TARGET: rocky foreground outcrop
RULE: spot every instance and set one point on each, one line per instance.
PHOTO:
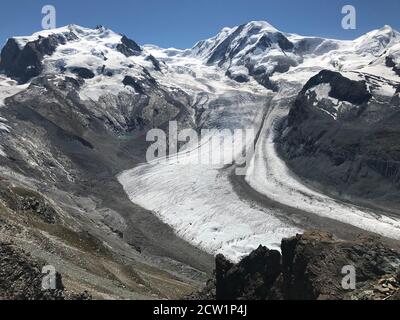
(312, 266)
(21, 278)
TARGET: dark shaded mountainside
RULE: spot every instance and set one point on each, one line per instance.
(310, 267)
(352, 150)
(59, 198)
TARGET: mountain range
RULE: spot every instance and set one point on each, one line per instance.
(76, 190)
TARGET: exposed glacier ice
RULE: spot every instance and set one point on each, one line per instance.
(269, 175)
(199, 202)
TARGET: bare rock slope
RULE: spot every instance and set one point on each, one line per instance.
(309, 268)
(21, 278)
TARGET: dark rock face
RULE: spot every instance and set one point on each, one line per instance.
(42, 209)
(25, 63)
(342, 88)
(251, 278)
(310, 268)
(237, 78)
(305, 46)
(284, 42)
(21, 278)
(130, 44)
(83, 73)
(128, 47)
(130, 81)
(261, 76)
(391, 64)
(265, 81)
(263, 44)
(354, 153)
(155, 62)
(221, 51)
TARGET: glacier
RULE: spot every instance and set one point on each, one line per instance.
(199, 202)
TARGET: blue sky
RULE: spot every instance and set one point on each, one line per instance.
(181, 23)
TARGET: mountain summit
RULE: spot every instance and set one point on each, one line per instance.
(260, 51)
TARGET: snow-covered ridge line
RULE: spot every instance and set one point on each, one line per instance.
(253, 50)
(100, 56)
(76, 29)
(258, 50)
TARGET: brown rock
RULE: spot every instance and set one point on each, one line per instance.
(310, 268)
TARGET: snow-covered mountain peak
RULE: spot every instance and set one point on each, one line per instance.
(255, 50)
(377, 41)
(62, 31)
(264, 26)
(74, 32)
(237, 37)
(260, 51)
(386, 31)
(98, 55)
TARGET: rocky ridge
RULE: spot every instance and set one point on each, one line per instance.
(309, 268)
(343, 125)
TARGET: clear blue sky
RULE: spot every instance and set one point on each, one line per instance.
(180, 23)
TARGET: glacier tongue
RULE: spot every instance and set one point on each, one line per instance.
(198, 200)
